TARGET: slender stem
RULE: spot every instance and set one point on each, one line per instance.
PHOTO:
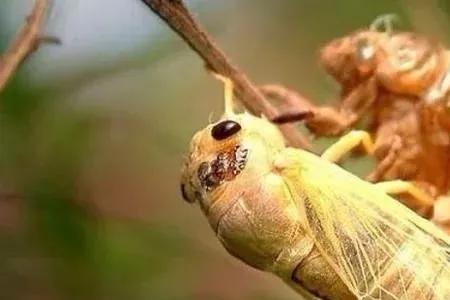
(177, 16)
(24, 43)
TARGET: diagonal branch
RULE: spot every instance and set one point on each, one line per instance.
(24, 43)
(177, 16)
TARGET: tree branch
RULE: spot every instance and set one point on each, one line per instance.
(24, 43)
(177, 16)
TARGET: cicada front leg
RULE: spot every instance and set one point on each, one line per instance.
(347, 143)
(330, 121)
(321, 121)
(355, 138)
(418, 198)
(324, 120)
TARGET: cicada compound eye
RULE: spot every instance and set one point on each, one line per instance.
(225, 129)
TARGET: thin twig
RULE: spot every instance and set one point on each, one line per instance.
(177, 16)
(24, 43)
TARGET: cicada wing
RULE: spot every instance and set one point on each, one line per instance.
(377, 246)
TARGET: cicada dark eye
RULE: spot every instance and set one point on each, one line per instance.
(225, 129)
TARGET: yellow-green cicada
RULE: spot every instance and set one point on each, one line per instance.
(324, 231)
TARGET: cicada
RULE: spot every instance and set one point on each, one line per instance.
(322, 230)
(396, 82)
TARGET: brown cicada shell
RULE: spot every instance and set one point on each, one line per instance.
(398, 82)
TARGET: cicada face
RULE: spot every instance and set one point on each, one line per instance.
(231, 152)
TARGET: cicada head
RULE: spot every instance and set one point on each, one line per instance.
(231, 171)
(227, 155)
(351, 58)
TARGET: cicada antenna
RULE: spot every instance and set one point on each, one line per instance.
(228, 93)
(386, 21)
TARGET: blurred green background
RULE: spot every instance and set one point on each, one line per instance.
(93, 133)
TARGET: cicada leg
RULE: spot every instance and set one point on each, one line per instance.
(323, 120)
(386, 20)
(326, 121)
(387, 160)
(347, 143)
(419, 198)
(228, 92)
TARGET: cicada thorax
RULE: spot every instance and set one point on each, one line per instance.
(395, 116)
(411, 143)
(409, 64)
(435, 162)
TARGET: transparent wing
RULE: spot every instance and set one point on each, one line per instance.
(378, 247)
